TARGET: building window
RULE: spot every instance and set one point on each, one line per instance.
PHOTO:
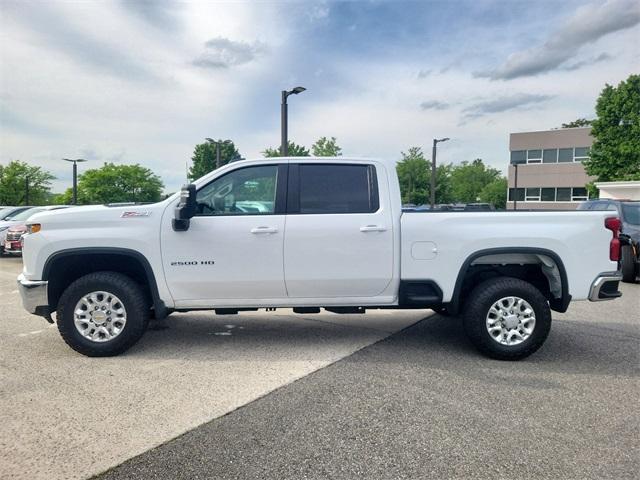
(519, 156)
(565, 155)
(532, 195)
(579, 194)
(580, 154)
(550, 156)
(534, 156)
(563, 194)
(520, 195)
(548, 195)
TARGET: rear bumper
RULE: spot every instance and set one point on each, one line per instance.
(34, 295)
(605, 287)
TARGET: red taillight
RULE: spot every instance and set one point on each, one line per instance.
(613, 224)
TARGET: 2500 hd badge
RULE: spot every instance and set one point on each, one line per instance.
(192, 263)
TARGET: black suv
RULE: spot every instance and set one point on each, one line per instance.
(629, 213)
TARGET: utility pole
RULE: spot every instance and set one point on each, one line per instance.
(26, 191)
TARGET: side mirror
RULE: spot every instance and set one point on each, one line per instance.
(186, 209)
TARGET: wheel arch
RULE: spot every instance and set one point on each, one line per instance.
(559, 302)
(65, 266)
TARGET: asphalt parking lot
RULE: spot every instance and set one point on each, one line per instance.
(321, 396)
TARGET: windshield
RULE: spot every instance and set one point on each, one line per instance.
(631, 213)
(27, 213)
(9, 213)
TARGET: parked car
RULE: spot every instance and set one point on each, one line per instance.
(478, 207)
(18, 220)
(13, 239)
(336, 238)
(7, 212)
(629, 213)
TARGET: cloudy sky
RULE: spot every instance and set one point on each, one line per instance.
(144, 81)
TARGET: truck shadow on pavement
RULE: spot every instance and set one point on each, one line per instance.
(572, 347)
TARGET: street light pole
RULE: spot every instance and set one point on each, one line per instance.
(515, 188)
(75, 177)
(433, 170)
(217, 144)
(284, 119)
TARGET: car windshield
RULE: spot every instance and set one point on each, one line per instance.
(27, 213)
(631, 213)
(9, 213)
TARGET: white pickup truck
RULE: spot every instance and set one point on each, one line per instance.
(311, 233)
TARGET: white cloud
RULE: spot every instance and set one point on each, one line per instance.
(585, 27)
(503, 104)
(222, 52)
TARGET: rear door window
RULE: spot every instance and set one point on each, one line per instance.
(335, 188)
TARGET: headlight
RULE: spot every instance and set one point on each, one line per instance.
(34, 228)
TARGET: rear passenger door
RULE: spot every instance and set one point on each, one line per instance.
(338, 235)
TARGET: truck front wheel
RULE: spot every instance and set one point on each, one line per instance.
(507, 318)
(102, 314)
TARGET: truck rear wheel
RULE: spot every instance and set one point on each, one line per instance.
(102, 314)
(628, 264)
(507, 318)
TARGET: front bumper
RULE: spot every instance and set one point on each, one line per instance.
(34, 295)
(605, 287)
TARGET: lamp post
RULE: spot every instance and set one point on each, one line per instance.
(284, 145)
(75, 177)
(515, 188)
(218, 151)
(217, 144)
(433, 170)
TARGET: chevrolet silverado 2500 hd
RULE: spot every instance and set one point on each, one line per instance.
(308, 234)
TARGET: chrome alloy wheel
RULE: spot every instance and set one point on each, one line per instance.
(511, 320)
(100, 316)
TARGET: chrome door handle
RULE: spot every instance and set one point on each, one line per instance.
(264, 230)
(373, 228)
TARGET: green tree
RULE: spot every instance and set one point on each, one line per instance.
(495, 193)
(414, 175)
(13, 183)
(295, 150)
(326, 147)
(469, 178)
(116, 183)
(203, 160)
(580, 122)
(615, 153)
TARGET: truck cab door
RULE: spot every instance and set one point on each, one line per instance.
(232, 251)
(339, 238)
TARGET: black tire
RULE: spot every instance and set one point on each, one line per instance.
(628, 264)
(131, 296)
(478, 304)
